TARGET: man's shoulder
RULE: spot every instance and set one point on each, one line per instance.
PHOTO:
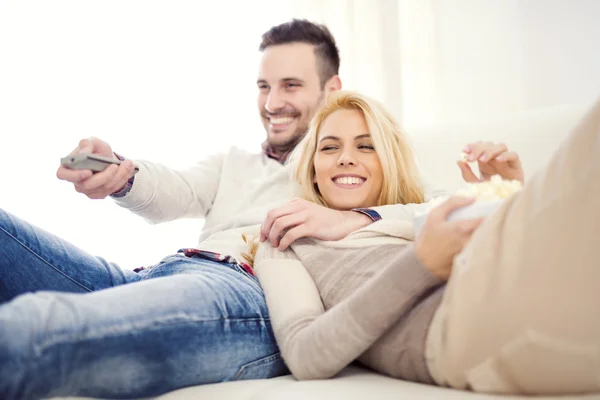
(238, 152)
(240, 156)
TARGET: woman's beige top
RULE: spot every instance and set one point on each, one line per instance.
(365, 297)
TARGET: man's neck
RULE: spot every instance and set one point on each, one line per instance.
(279, 154)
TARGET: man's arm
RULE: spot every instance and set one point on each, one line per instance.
(161, 194)
(433, 194)
(302, 218)
(156, 193)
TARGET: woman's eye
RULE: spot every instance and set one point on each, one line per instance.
(366, 147)
(328, 148)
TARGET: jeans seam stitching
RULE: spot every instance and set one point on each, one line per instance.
(270, 358)
(48, 263)
(109, 331)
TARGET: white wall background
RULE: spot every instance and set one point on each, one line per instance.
(173, 81)
(482, 59)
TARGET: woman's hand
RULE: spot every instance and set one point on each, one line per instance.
(440, 240)
(492, 159)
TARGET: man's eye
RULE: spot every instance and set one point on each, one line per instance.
(292, 85)
(263, 87)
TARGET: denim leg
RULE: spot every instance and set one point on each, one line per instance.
(32, 259)
(206, 324)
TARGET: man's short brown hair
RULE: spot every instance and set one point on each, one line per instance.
(304, 31)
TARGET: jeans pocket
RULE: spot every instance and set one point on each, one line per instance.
(537, 363)
(146, 272)
(263, 368)
(242, 271)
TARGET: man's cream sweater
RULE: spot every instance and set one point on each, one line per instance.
(232, 191)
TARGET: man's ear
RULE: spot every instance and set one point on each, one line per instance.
(334, 83)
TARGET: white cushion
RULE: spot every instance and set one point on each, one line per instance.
(353, 383)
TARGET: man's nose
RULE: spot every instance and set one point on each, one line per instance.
(275, 102)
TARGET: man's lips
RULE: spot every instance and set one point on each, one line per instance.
(280, 123)
(281, 120)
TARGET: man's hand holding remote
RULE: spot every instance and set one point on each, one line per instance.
(102, 184)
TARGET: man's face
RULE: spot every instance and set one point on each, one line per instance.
(289, 93)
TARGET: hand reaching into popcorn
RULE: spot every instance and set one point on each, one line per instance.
(492, 159)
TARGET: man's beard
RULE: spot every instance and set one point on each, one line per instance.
(291, 143)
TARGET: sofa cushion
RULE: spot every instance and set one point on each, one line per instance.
(353, 383)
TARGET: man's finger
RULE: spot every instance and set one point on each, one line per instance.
(73, 176)
(92, 194)
(467, 172)
(100, 180)
(85, 146)
(116, 185)
(282, 224)
(274, 214)
(292, 235)
(124, 172)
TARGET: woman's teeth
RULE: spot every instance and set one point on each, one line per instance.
(349, 180)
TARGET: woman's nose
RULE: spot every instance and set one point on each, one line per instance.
(346, 158)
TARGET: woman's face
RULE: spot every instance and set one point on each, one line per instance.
(347, 170)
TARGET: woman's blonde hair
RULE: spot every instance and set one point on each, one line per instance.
(401, 180)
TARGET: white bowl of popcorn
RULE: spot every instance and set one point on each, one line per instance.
(489, 196)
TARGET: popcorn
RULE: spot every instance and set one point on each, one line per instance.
(494, 189)
(463, 157)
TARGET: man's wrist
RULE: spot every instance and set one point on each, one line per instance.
(369, 213)
(122, 192)
(359, 219)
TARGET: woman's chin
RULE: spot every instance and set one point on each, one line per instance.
(347, 205)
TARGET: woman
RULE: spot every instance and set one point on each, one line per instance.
(378, 297)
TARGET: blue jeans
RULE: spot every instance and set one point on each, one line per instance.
(75, 324)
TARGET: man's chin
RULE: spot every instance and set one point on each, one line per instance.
(281, 138)
(282, 132)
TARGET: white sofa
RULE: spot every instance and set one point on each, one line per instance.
(534, 135)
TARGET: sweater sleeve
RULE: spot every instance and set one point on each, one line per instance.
(161, 194)
(406, 212)
(316, 344)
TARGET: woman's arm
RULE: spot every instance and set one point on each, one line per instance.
(317, 344)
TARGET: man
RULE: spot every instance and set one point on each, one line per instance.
(95, 329)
